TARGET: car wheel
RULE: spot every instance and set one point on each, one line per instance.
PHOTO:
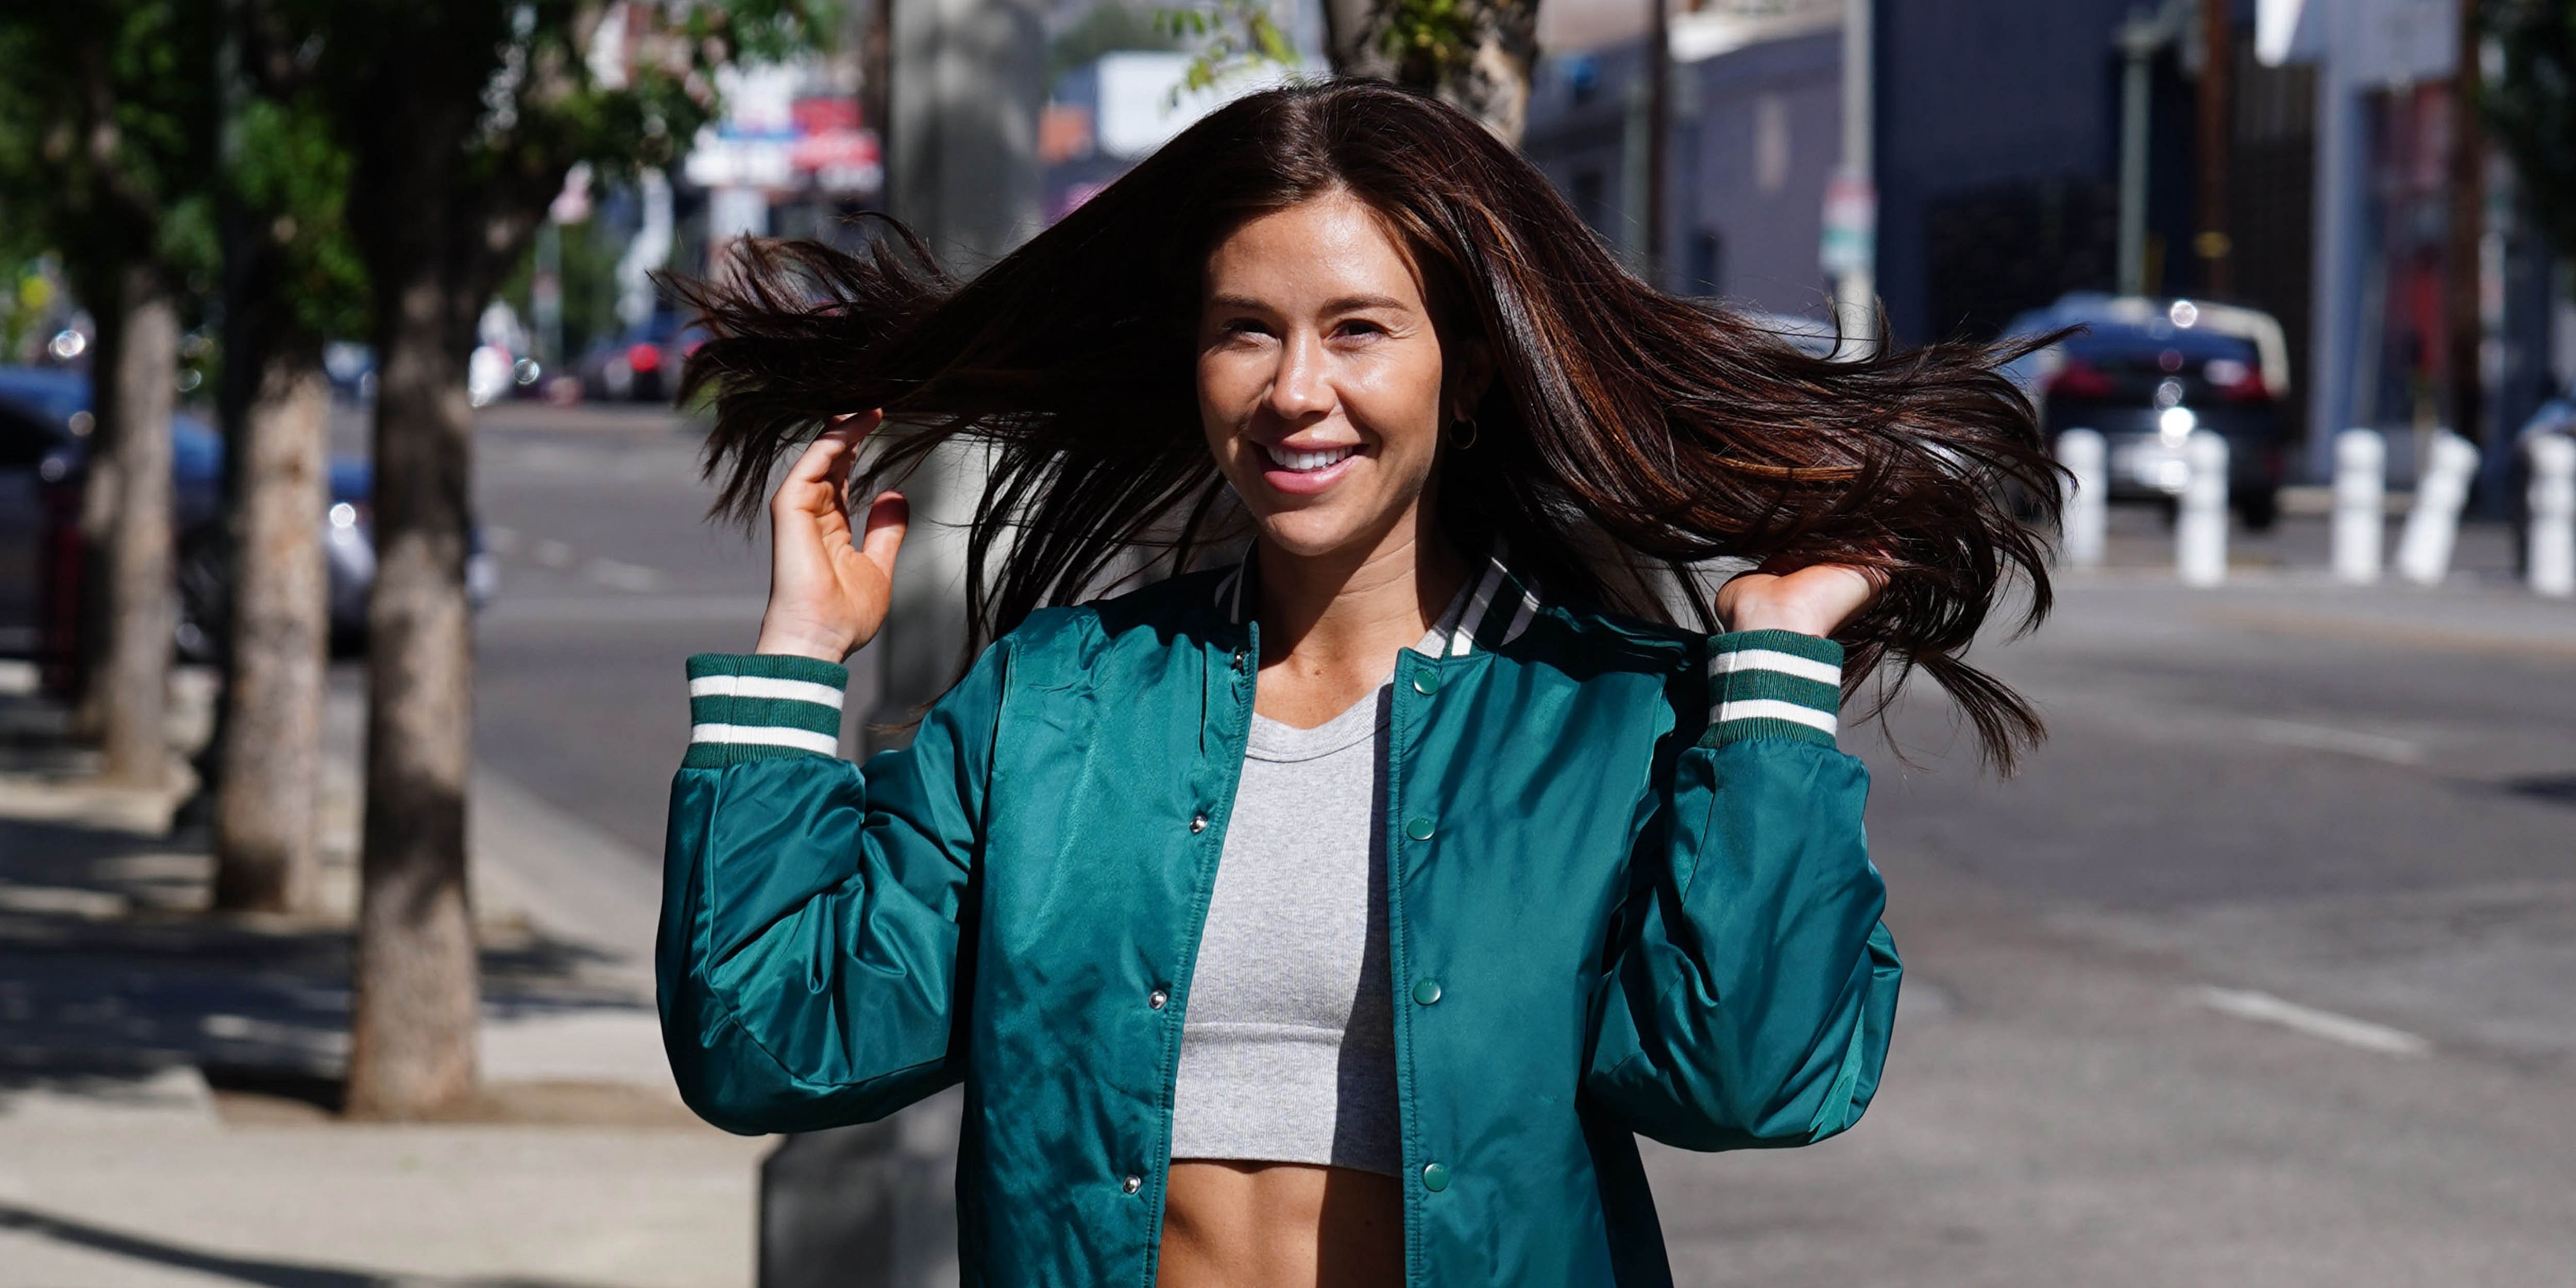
(205, 597)
(2259, 509)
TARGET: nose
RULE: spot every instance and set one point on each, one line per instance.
(1301, 388)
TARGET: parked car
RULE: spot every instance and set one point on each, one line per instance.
(643, 364)
(45, 430)
(2148, 373)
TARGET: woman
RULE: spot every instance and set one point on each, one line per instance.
(1341, 912)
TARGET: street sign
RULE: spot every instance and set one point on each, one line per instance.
(1850, 243)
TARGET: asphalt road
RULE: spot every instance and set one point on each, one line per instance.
(2263, 972)
(610, 576)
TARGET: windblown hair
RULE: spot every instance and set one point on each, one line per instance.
(1627, 434)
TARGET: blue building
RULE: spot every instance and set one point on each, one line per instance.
(1997, 129)
(1757, 131)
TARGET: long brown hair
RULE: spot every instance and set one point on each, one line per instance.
(1627, 435)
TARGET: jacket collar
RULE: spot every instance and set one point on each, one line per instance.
(1496, 608)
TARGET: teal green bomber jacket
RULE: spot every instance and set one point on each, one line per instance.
(1627, 891)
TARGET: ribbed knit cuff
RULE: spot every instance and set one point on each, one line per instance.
(1773, 684)
(751, 706)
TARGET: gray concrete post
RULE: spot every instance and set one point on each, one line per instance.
(874, 1205)
(2433, 526)
(2360, 505)
(2553, 515)
(2200, 530)
(2088, 488)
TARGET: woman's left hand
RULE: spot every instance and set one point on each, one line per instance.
(1814, 600)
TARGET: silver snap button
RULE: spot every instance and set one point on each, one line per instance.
(1133, 1184)
(1157, 998)
(1198, 823)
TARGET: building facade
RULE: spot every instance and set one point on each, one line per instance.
(1757, 131)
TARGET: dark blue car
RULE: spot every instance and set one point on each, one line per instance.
(45, 429)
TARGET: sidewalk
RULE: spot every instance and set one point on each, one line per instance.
(167, 1078)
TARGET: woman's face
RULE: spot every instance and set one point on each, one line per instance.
(1320, 380)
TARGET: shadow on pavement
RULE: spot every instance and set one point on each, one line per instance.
(2557, 789)
(248, 1270)
(110, 965)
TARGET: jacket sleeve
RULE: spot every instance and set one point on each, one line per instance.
(808, 957)
(1751, 984)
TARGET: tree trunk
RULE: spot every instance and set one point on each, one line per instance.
(133, 688)
(413, 1029)
(1488, 78)
(1495, 88)
(97, 518)
(1353, 32)
(278, 645)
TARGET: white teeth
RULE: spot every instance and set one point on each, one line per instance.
(1305, 462)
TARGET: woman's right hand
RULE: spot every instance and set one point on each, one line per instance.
(828, 593)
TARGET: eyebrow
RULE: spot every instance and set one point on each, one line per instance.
(1345, 304)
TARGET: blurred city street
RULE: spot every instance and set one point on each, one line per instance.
(2263, 972)
(351, 550)
(2359, 803)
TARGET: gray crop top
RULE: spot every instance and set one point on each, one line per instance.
(1288, 1048)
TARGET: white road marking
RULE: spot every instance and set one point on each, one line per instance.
(2263, 1008)
(2348, 742)
(576, 610)
(623, 576)
(553, 554)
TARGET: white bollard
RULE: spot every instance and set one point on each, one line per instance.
(2360, 504)
(2433, 526)
(2552, 536)
(2200, 530)
(2086, 516)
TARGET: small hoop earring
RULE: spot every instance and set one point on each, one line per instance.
(1462, 441)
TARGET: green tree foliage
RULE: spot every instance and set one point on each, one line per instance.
(106, 134)
(1474, 54)
(1230, 36)
(1431, 41)
(2529, 106)
(291, 176)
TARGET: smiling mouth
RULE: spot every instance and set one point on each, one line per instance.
(1307, 462)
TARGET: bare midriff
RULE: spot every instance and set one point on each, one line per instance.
(1280, 1225)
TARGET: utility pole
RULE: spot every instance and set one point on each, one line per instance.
(2467, 368)
(2139, 38)
(1659, 136)
(1849, 252)
(2217, 135)
(961, 170)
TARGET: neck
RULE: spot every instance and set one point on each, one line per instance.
(1349, 612)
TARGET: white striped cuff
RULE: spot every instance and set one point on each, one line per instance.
(1773, 684)
(754, 706)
